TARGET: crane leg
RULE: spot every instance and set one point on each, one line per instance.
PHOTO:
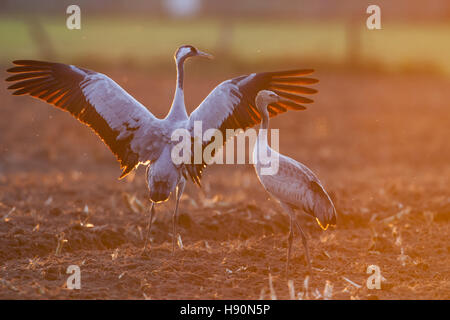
(290, 240)
(305, 245)
(179, 192)
(152, 213)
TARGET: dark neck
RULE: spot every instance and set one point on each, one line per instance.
(261, 105)
(264, 121)
(178, 109)
(262, 136)
(180, 73)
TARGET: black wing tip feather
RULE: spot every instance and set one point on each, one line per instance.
(23, 66)
(25, 62)
(57, 84)
(28, 75)
(292, 85)
(296, 80)
(294, 88)
(291, 73)
(295, 71)
(294, 76)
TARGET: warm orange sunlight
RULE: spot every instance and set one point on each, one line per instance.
(125, 171)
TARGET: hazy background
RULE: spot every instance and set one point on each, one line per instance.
(145, 33)
(377, 136)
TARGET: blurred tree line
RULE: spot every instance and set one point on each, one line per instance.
(351, 12)
(286, 9)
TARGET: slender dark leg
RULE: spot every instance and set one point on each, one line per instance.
(305, 245)
(179, 192)
(150, 221)
(290, 240)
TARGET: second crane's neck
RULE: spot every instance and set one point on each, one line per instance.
(178, 109)
(261, 105)
(261, 146)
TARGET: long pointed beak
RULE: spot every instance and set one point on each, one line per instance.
(284, 100)
(204, 54)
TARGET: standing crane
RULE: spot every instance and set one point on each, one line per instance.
(135, 135)
(291, 183)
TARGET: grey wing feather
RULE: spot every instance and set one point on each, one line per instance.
(128, 128)
(231, 105)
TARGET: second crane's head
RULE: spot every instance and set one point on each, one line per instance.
(188, 51)
(264, 98)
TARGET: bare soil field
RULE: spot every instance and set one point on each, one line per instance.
(379, 143)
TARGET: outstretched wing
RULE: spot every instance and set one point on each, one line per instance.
(125, 125)
(231, 105)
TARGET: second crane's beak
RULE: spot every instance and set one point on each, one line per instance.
(281, 99)
(204, 54)
(285, 100)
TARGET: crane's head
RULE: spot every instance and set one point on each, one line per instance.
(188, 51)
(266, 97)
